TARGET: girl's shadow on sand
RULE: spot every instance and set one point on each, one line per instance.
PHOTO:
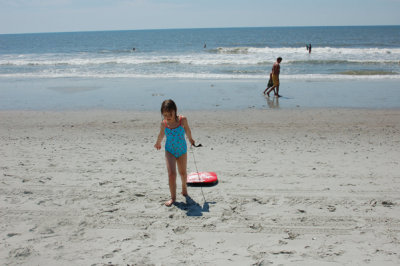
(192, 208)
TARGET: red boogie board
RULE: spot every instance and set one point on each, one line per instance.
(202, 178)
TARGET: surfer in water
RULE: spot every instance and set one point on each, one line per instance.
(175, 128)
(276, 69)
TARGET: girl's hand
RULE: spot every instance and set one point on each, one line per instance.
(191, 141)
(157, 146)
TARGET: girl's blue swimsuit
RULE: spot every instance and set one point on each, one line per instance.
(176, 142)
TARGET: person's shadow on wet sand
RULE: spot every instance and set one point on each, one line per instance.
(193, 208)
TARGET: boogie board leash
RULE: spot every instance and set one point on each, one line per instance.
(197, 170)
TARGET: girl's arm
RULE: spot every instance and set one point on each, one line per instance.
(187, 130)
(160, 136)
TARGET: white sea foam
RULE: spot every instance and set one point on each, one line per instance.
(232, 56)
(302, 50)
(324, 63)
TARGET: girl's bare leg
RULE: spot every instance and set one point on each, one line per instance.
(182, 168)
(171, 167)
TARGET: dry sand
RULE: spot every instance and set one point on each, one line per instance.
(296, 187)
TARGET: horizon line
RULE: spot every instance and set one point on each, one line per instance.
(197, 28)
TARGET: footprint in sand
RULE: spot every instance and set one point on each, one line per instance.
(180, 229)
(21, 253)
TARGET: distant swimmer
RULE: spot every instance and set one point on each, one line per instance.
(309, 48)
(133, 49)
(205, 45)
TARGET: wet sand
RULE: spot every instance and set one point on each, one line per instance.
(194, 94)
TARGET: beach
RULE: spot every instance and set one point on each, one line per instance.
(310, 178)
(297, 186)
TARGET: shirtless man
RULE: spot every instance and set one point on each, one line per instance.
(276, 68)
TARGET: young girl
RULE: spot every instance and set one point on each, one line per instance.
(174, 127)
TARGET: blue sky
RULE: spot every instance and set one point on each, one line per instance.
(27, 16)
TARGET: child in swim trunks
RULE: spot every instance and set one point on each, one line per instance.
(174, 127)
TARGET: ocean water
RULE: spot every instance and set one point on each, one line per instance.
(85, 61)
(244, 53)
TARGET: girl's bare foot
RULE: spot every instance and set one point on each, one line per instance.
(169, 202)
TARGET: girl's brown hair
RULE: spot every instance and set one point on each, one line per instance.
(169, 106)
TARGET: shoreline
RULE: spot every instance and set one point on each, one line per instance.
(296, 186)
(147, 95)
